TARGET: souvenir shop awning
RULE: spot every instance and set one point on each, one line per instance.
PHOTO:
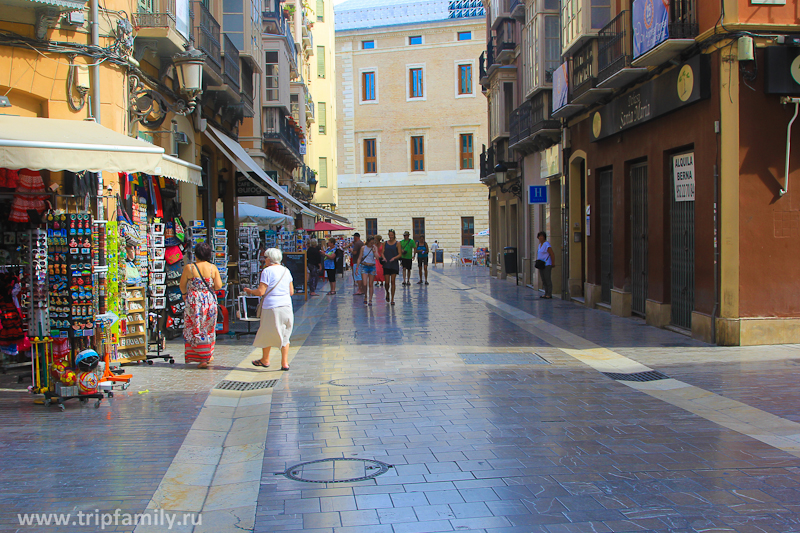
(75, 145)
(324, 213)
(240, 158)
(261, 216)
(178, 169)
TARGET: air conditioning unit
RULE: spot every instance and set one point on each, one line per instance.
(181, 138)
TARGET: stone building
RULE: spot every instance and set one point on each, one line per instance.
(411, 119)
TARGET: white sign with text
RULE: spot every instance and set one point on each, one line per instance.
(683, 176)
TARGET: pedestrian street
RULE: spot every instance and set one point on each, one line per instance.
(471, 405)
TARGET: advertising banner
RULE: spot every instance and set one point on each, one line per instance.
(650, 25)
(560, 87)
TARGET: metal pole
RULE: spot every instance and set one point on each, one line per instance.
(95, 68)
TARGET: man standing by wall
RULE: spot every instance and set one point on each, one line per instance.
(407, 246)
(355, 250)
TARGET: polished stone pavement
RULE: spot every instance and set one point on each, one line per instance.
(480, 434)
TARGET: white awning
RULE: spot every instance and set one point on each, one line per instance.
(178, 169)
(75, 145)
(242, 160)
(324, 213)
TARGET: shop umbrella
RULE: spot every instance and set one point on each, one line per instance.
(262, 217)
(328, 226)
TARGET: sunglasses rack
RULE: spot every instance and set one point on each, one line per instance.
(70, 275)
(38, 319)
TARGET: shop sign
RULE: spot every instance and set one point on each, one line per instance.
(683, 177)
(245, 187)
(560, 87)
(537, 194)
(650, 25)
(782, 66)
(551, 161)
(686, 84)
(302, 147)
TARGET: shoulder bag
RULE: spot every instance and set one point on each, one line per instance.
(261, 301)
(539, 264)
(219, 307)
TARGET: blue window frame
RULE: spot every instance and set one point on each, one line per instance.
(417, 39)
(367, 86)
(416, 87)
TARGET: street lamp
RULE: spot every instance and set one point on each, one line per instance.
(500, 170)
(189, 69)
(312, 185)
(501, 175)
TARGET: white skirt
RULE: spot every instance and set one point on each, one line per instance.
(275, 328)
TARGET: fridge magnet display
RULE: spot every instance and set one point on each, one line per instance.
(159, 303)
(158, 229)
(159, 290)
(158, 240)
(159, 265)
(159, 278)
(158, 253)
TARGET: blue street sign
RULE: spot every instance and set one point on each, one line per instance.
(537, 194)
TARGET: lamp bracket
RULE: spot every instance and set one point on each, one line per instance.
(149, 107)
(514, 187)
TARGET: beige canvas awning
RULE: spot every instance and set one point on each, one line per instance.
(178, 169)
(237, 155)
(75, 145)
(324, 213)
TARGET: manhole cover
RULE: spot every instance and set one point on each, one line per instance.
(359, 382)
(518, 358)
(246, 385)
(651, 375)
(341, 470)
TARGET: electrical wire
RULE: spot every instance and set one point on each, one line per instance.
(82, 91)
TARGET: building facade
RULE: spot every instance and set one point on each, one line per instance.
(411, 119)
(674, 198)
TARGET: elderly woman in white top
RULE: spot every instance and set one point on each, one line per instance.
(277, 316)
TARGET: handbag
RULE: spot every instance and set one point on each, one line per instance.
(173, 254)
(219, 307)
(261, 301)
(539, 264)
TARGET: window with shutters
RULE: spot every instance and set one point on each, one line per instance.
(322, 118)
(320, 61)
(415, 80)
(417, 154)
(370, 156)
(320, 10)
(322, 179)
(367, 86)
(271, 77)
(372, 226)
(465, 79)
(418, 227)
(466, 152)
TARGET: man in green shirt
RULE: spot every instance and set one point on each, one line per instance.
(407, 247)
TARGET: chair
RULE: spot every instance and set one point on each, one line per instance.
(455, 259)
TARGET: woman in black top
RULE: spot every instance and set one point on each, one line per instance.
(314, 261)
(391, 254)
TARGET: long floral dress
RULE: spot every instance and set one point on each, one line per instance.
(200, 321)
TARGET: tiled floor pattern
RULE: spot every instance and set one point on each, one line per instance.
(545, 448)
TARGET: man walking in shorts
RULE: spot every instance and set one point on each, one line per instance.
(407, 247)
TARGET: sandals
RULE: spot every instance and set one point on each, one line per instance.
(285, 369)
(392, 302)
(331, 293)
(259, 364)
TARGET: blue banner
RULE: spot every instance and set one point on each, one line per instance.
(650, 25)
(560, 87)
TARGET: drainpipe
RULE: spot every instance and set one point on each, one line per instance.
(796, 102)
(95, 68)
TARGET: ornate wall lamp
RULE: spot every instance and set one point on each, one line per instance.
(501, 175)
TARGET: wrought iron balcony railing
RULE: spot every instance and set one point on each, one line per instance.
(231, 60)
(161, 16)
(206, 31)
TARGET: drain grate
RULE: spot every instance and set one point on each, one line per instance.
(338, 470)
(650, 375)
(518, 358)
(359, 382)
(246, 385)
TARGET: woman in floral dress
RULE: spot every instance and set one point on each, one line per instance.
(198, 282)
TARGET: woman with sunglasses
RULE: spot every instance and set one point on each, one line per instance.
(391, 268)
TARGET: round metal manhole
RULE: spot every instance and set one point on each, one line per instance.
(339, 470)
(360, 382)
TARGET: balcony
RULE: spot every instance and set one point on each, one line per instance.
(506, 41)
(517, 10)
(500, 11)
(531, 126)
(231, 63)
(206, 32)
(160, 25)
(275, 24)
(487, 165)
(281, 135)
(615, 52)
(308, 37)
(584, 83)
(310, 117)
(248, 88)
(485, 62)
(682, 29)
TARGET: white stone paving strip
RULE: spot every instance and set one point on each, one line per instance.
(737, 416)
(217, 470)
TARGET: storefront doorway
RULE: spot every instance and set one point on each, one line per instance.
(639, 238)
(605, 195)
(682, 264)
